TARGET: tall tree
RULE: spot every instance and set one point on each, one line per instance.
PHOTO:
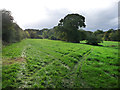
(70, 24)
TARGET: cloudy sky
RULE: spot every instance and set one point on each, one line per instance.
(38, 14)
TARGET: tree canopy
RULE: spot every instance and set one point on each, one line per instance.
(68, 27)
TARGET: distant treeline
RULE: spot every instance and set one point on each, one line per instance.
(68, 29)
(110, 35)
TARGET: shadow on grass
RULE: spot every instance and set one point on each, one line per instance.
(111, 46)
(92, 44)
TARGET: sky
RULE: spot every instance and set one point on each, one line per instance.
(39, 14)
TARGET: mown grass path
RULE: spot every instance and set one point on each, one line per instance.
(41, 63)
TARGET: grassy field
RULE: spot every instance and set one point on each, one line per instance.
(42, 63)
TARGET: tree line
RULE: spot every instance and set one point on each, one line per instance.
(90, 37)
(68, 29)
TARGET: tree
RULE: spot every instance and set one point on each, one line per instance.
(7, 26)
(11, 32)
(45, 34)
(98, 32)
(19, 33)
(27, 34)
(59, 33)
(82, 34)
(70, 25)
(107, 33)
(114, 36)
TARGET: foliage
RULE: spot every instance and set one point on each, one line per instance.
(68, 27)
(111, 35)
(33, 33)
(45, 34)
(98, 32)
(59, 32)
(82, 34)
(106, 34)
(114, 36)
(94, 39)
(7, 25)
(11, 32)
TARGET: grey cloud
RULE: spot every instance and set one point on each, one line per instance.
(95, 19)
(53, 18)
(102, 19)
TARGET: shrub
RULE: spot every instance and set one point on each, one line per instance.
(93, 39)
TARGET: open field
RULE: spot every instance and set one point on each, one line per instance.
(42, 63)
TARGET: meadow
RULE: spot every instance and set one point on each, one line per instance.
(42, 63)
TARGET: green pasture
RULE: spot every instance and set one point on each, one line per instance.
(42, 63)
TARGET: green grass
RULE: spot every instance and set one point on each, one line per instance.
(42, 63)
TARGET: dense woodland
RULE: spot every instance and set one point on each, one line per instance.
(68, 29)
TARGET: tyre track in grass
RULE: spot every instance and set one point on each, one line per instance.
(55, 59)
(79, 75)
(62, 63)
(25, 80)
(79, 68)
(71, 82)
(22, 78)
(76, 72)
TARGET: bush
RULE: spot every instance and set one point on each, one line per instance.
(93, 39)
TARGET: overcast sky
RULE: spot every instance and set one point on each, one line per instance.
(39, 14)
